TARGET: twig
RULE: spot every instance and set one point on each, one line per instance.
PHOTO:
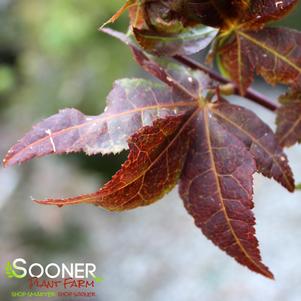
(250, 94)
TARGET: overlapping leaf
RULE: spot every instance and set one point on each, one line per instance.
(247, 13)
(164, 16)
(289, 119)
(161, 29)
(262, 11)
(189, 41)
(190, 83)
(216, 13)
(152, 169)
(273, 53)
(131, 105)
(246, 48)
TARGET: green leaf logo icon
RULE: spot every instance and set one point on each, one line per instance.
(10, 273)
(9, 270)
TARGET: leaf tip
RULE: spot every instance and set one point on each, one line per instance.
(269, 275)
(6, 161)
(290, 184)
(59, 203)
(13, 157)
(89, 198)
(264, 271)
(102, 27)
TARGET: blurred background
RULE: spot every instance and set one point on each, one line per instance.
(52, 57)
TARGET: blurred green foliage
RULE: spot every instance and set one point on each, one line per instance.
(60, 57)
(52, 56)
(7, 79)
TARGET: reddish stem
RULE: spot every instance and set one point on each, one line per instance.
(251, 94)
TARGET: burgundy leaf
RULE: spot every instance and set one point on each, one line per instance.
(263, 11)
(217, 13)
(183, 131)
(190, 83)
(259, 139)
(186, 42)
(216, 186)
(273, 53)
(289, 119)
(131, 105)
(152, 169)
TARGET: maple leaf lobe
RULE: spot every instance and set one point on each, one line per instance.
(157, 155)
(260, 140)
(289, 119)
(132, 104)
(216, 186)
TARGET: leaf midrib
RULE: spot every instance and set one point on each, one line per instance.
(291, 130)
(212, 160)
(269, 49)
(98, 120)
(96, 196)
(185, 36)
(256, 141)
